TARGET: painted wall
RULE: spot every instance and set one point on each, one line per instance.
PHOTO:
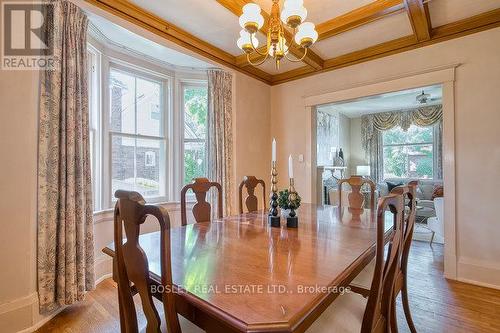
(477, 141)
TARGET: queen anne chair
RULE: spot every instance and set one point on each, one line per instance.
(361, 284)
(202, 210)
(356, 198)
(351, 312)
(132, 269)
(251, 202)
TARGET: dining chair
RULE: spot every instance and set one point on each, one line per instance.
(361, 283)
(251, 202)
(132, 269)
(355, 197)
(202, 210)
(351, 312)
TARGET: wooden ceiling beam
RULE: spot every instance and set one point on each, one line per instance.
(419, 18)
(478, 23)
(358, 17)
(164, 29)
(311, 59)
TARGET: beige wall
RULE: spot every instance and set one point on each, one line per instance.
(252, 134)
(356, 149)
(477, 140)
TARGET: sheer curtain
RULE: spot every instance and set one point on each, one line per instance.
(219, 135)
(65, 227)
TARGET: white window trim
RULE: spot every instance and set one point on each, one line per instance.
(173, 117)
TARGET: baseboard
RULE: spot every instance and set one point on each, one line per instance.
(479, 272)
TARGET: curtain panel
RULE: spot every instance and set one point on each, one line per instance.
(220, 136)
(65, 250)
(373, 124)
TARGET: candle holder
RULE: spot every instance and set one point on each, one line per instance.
(292, 221)
(274, 218)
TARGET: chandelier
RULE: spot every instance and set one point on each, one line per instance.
(293, 15)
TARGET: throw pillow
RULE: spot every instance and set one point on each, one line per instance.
(438, 192)
(391, 185)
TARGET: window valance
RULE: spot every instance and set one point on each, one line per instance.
(424, 116)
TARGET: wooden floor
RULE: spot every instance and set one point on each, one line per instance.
(437, 305)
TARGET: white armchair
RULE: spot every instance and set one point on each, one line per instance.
(436, 224)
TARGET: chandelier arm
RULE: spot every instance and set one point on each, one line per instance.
(255, 49)
(298, 60)
(257, 63)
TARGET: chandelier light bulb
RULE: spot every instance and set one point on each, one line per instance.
(251, 20)
(294, 13)
(245, 43)
(306, 34)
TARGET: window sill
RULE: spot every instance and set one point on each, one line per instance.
(107, 214)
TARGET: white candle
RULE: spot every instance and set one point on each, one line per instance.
(290, 167)
(274, 150)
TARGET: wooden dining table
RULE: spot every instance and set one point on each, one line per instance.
(238, 274)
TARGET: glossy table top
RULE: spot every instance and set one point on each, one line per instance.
(243, 269)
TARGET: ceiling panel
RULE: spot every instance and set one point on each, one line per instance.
(319, 11)
(447, 11)
(380, 31)
(205, 19)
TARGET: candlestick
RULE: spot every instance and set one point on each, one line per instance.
(274, 150)
(292, 221)
(274, 218)
(290, 167)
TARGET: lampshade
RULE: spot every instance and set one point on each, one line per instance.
(244, 42)
(363, 170)
(251, 20)
(281, 48)
(306, 34)
(294, 12)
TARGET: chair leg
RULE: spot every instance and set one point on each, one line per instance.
(432, 237)
(406, 307)
(394, 319)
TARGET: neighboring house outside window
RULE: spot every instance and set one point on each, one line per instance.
(409, 154)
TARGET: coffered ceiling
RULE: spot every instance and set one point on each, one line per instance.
(349, 31)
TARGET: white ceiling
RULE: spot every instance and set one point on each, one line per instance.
(399, 100)
(447, 11)
(126, 39)
(380, 31)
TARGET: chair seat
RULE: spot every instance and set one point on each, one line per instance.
(365, 277)
(186, 325)
(344, 315)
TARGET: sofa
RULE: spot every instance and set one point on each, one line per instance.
(425, 189)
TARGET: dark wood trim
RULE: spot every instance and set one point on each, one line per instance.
(419, 19)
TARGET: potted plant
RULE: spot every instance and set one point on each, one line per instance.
(285, 205)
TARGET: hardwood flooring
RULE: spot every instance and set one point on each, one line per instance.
(437, 305)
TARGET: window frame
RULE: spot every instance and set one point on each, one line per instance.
(183, 85)
(149, 75)
(432, 143)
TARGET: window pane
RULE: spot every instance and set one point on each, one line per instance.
(195, 112)
(149, 108)
(415, 161)
(150, 166)
(138, 165)
(122, 97)
(414, 134)
(123, 162)
(194, 161)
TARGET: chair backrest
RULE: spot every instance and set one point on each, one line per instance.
(251, 182)
(409, 193)
(356, 198)
(132, 264)
(439, 207)
(202, 210)
(378, 309)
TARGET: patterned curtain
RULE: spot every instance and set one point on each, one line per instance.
(219, 135)
(373, 124)
(65, 227)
